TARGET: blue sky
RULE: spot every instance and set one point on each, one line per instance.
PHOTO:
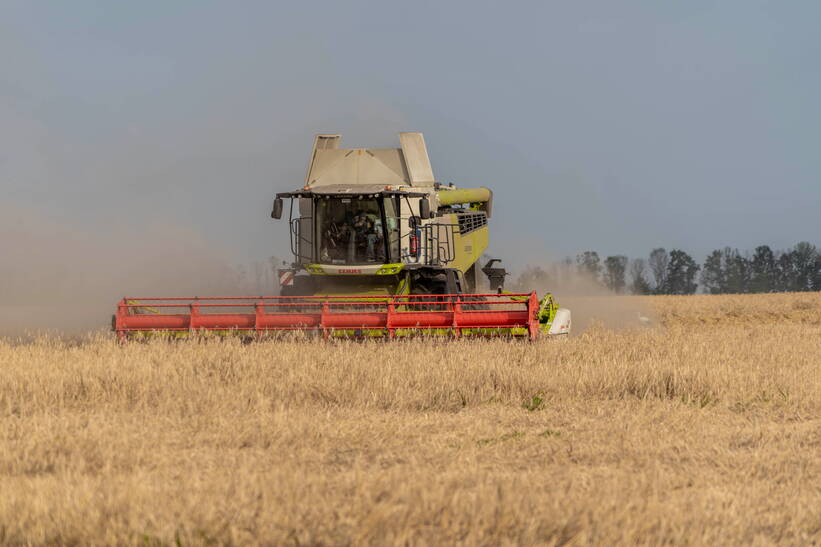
(613, 126)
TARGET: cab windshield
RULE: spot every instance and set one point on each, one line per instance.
(357, 230)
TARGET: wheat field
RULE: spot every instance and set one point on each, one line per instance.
(703, 428)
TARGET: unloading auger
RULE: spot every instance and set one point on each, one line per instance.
(380, 250)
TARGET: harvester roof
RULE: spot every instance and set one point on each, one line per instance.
(407, 165)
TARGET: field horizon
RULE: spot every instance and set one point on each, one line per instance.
(703, 428)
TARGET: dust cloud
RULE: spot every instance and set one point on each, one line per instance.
(68, 279)
(591, 303)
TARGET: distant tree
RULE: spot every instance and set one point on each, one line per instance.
(785, 272)
(726, 271)
(763, 270)
(804, 260)
(589, 263)
(712, 276)
(737, 271)
(681, 273)
(816, 278)
(565, 271)
(659, 264)
(638, 280)
(532, 277)
(615, 268)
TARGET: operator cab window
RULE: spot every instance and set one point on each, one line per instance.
(350, 230)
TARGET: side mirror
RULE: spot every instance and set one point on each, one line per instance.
(424, 208)
(277, 211)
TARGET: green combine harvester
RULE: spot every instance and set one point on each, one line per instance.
(379, 249)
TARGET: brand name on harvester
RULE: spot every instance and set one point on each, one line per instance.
(349, 271)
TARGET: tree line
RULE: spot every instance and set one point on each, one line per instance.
(724, 270)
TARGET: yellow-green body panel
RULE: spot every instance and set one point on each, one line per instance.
(469, 247)
(463, 195)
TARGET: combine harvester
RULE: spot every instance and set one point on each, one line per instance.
(380, 249)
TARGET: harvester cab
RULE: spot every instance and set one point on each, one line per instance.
(379, 248)
(379, 215)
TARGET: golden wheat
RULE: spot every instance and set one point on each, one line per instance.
(702, 429)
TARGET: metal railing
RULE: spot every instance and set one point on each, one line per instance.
(299, 243)
(435, 243)
(438, 246)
